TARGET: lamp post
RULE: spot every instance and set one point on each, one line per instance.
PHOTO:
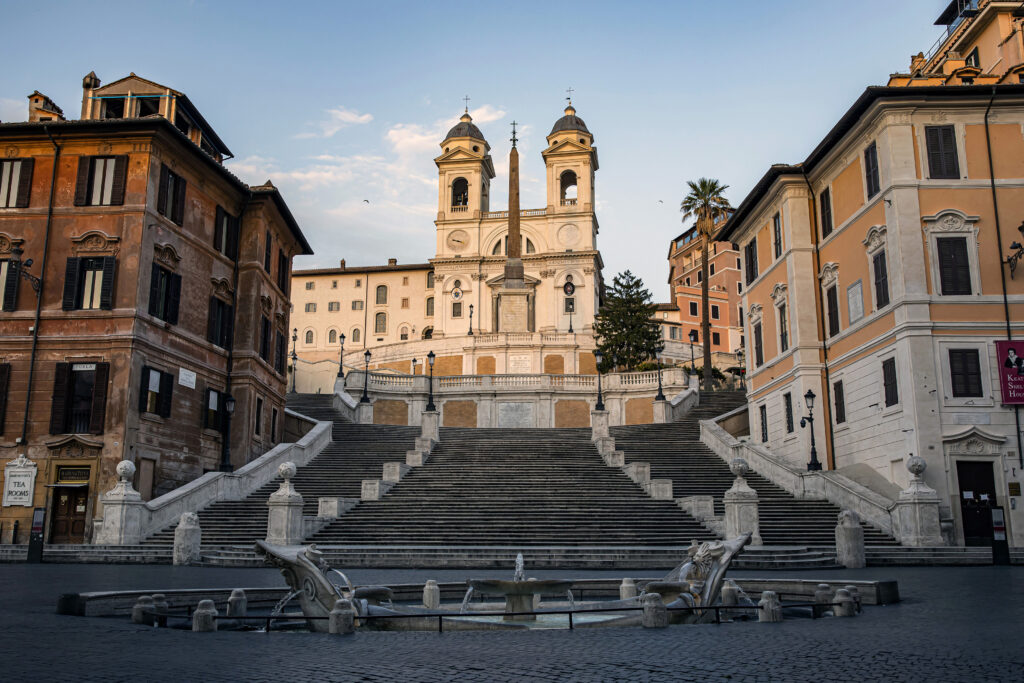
(341, 356)
(366, 376)
(430, 396)
(471, 320)
(661, 394)
(813, 465)
(225, 444)
(16, 262)
(295, 356)
(599, 356)
(693, 337)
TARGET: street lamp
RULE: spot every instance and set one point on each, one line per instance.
(471, 320)
(366, 376)
(430, 397)
(693, 338)
(813, 465)
(225, 444)
(16, 262)
(599, 356)
(341, 356)
(661, 394)
(414, 367)
(295, 356)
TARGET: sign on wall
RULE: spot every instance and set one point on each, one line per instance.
(19, 482)
(1010, 360)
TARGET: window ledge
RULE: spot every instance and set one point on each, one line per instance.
(968, 402)
(891, 410)
(152, 417)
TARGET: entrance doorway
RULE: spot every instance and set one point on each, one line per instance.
(977, 496)
(68, 514)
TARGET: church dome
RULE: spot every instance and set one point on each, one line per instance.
(465, 128)
(569, 122)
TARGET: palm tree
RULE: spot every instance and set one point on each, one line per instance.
(705, 202)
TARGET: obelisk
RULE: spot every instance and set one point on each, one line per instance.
(513, 297)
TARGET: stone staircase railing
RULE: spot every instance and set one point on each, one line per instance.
(127, 519)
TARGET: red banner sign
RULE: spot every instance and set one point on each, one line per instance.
(1010, 360)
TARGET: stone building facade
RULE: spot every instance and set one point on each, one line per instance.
(888, 282)
(142, 285)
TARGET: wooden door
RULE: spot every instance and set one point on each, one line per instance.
(977, 496)
(144, 484)
(68, 515)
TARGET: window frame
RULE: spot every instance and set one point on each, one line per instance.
(825, 212)
(872, 171)
(777, 234)
(17, 194)
(157, 402)
(164, 294)
(990, 395)
(839, 402)
(379, 328)
(787, 405)
(890, 399)
(763, 415)
(943, 151)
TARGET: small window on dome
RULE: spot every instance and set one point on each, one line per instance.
(583, 141)
(476, 148)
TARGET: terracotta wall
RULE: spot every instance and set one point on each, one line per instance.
(458, 414)
(572, 414)
(639, 411)
(390, 412)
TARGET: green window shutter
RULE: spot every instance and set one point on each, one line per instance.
(107, 288)
(98, 416)
(59, 399)
(120, 180)
(82, 182)
(25, 183)
(71, 273)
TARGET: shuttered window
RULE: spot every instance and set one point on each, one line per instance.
(164, 294)
(101, 181)
(9, 277)
(777, 234)
(942, 158)
(871, 170)
(219, 323)
(825, 200)
(89, 283)
(839, 398)
(783, 329)
(763, 410)
(787, 402)
(750, 260)
(881, 280)
(832, 301)
(954, 266)
(170, 199)
(79, 400)
(965, 372)
(758, 346)
(213, 410)
(267, 251)
(265, 339)
(5, 381)
(225, 234)
(155, 392)
(282, 271)
(15, 183)
(892, 393)
(280, 353)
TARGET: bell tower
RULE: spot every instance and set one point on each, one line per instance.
(571, 160)
(464, 172)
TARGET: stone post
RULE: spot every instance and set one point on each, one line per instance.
(203, 618)
(627, 589)
(142, 610)
(662, 412)
(284, 523)
(364, 413)
(850, 541)
(855, 594)
(598, 424)
(823, 598)
(342, 619)
(122, 510)
(845, 604)
(741, 514)
(655, 612)
(917, 509)
(769, 609)
(431, 595)
(430, 425)
(730, 594)
(187, 539)
(238, 604)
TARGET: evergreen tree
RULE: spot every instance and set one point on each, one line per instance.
(625, 328)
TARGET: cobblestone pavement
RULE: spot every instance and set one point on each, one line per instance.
(955, 624)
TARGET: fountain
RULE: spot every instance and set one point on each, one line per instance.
(519, 592)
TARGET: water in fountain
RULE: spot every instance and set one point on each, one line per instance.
(744, 599)
(283, 602)
(572, 601)
(465, 600)
(519, 574)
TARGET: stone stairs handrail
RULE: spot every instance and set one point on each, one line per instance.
(831, 486)
(344, 403)
(161, 512)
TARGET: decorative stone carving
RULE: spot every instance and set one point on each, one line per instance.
(974, 441)
(7, 243)
(547, 273)
(755, 313)
(917, 509)
(284, 523)
(266, 303)
(11, 151)
(187, 539)
(741, 514)
(478, 276)
(95, 243)
(950, 220)
(167, 256)
(122, 510)
(850, 541)
(875, 238)
(778, 293)
(221, 287)
(105, 148)
(829, 274)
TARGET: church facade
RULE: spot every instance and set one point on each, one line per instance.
(452, 305)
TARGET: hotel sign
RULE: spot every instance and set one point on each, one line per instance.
(1010, 361)
(19, 482)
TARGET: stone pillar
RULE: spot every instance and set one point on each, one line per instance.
(855, 594)
(142, 610)
(846, 606)
(850, 541)
(187, 539)
(238, 604)
(431, 595)
(342, 619)
(394, 471)
(627, 589)
(203, 618)
(333, 507)
(917, 509)
(284, 523)
(430, 425)
(660, 489)
(662, 412)
(598, 424)
(823, 598)
(364, 413)
(769, 609)
(741, 514)
(161, 606)
(122, 510)
(655, 613)
(730, 594)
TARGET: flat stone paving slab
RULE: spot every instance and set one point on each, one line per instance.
(953, 624)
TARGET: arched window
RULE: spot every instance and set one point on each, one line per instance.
(430, 279)
(460, 192)
(382, 294)
(528, 247)
(403, 333)
(428, 333)
(567, 181)
(355, 335)
(332, 337)
(380, 323)
(430, 306)
(309, 336)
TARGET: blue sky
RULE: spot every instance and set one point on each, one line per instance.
(338, 102)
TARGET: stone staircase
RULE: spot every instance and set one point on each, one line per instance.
(675, 452)
(357, 452)
(515, 488)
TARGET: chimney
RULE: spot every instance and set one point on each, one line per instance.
(392, 262)
(916, 62)
(42, 108)
(89, 84)
(343, 264)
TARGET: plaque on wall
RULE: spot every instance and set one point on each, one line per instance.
(186, 378)
(19, 482)
(519, 364)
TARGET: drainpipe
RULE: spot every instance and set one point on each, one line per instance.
(225, 442)
(830, 455)
(1002, 271)
(42, 283)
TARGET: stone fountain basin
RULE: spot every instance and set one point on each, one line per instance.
(520, 588)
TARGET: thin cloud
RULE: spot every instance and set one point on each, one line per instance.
(337, 118)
